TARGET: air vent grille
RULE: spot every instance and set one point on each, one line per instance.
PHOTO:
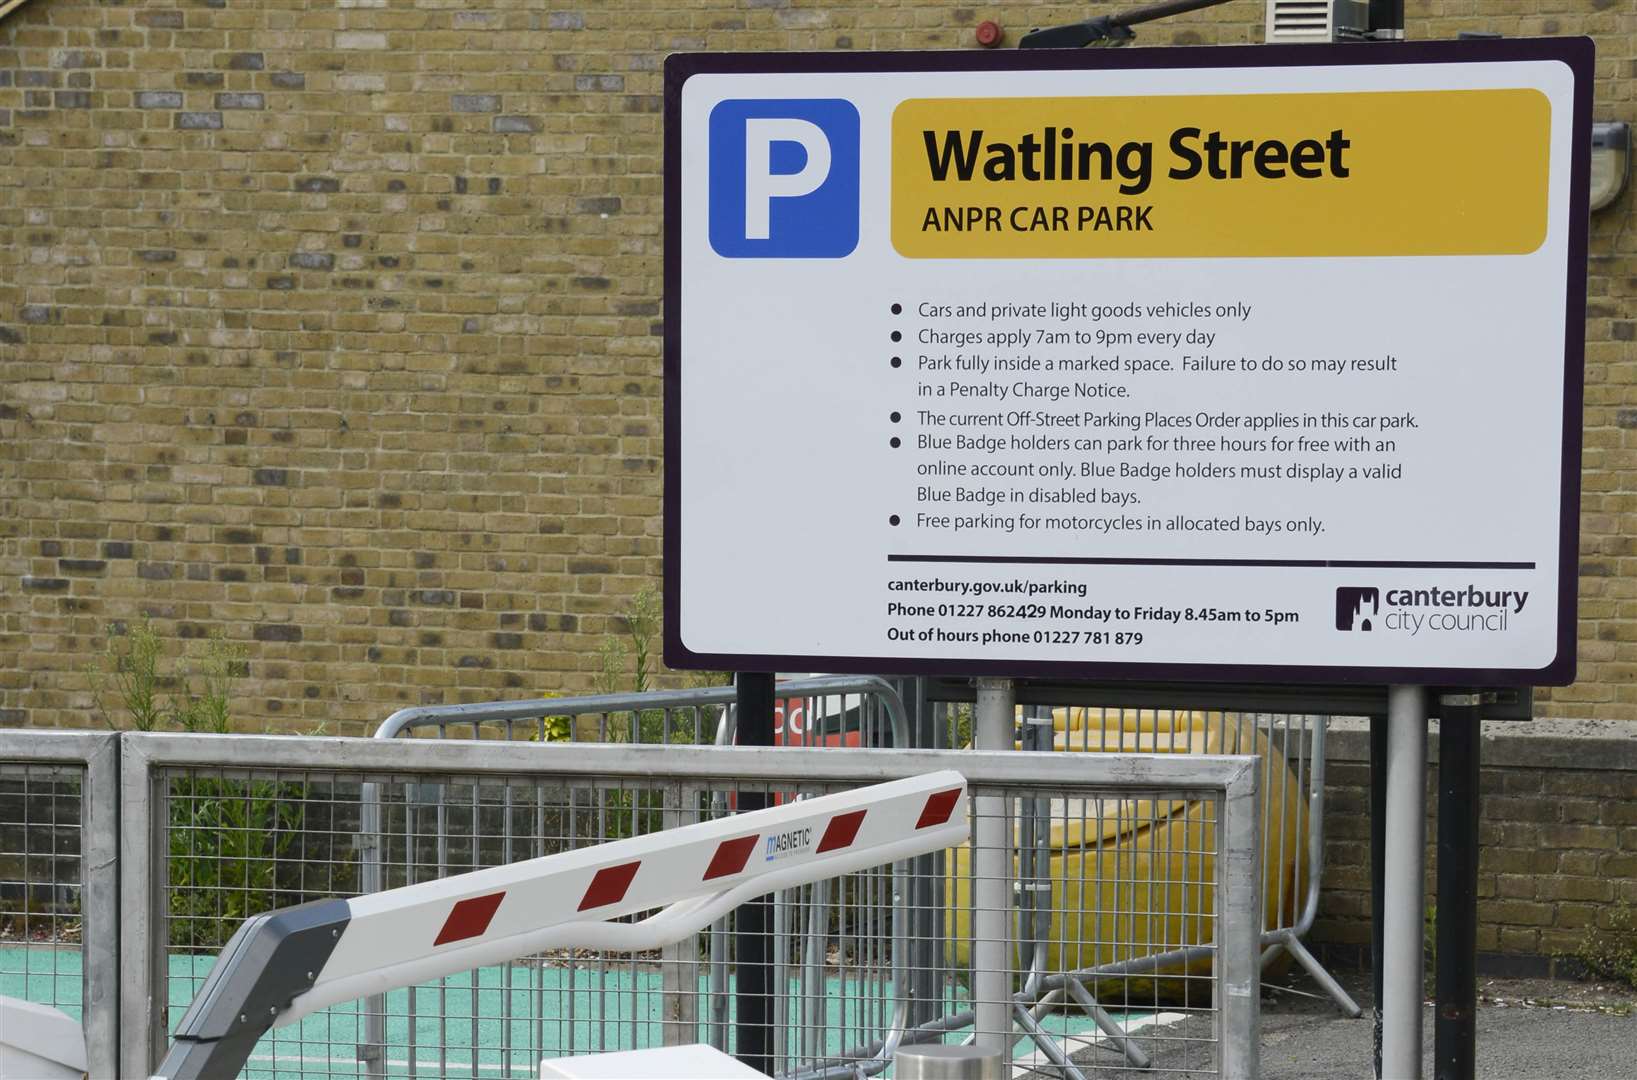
(1316, 20)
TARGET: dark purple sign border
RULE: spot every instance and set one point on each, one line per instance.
(1576, 53)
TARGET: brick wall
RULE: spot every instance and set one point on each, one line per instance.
(1557, 831)
(333, 328)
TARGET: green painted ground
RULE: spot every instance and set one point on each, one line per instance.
(513, 1016)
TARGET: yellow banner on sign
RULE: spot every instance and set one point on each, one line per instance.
(1435, 172)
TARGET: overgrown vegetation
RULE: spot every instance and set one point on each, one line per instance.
(227, 837)
(145, 699)
(629, 664)
(129, 669)
(1612, 953)
(628, 659)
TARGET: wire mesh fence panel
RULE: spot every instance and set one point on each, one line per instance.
(1101, 904)
(58, 880)
(1108, 906)
(830, 994)
(1289, 748)
(239, 842)
(1280, 741)
(1077, 929)
(41, 924)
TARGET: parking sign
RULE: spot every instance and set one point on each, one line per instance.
(784, 178)
(1253, 364)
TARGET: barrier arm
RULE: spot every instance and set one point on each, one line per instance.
(284, 965)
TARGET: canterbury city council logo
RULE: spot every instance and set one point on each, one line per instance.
(1461, 608)
(1357, 608)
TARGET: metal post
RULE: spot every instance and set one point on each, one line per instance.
(752, 944)
(992, 722)
(371, 879)
(1378, 863)
(679, 962)
(99, 903)
(926, 884)
(102, 973)
(1405, 883)
(1315, 874)
(1238, 959)
(1386, 24)
(1034, 890)
(1455, 1025)
(143, 925)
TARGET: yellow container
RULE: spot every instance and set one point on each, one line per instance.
(1135, 877)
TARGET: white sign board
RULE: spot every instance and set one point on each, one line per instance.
(1248, 363)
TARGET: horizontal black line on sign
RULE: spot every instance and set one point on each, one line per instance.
(1078, 560)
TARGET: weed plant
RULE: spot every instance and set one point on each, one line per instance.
(1611, 953)
(228, 837)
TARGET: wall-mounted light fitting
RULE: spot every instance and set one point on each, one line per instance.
(1611, 161)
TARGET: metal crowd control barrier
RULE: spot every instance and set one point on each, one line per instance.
(824, 710)
(834, 708)
(1304, 748)
(59, 904)
(1298, 739)
(829, 703)
(1168, 938)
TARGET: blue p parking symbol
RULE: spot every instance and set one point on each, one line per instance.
(784, 178)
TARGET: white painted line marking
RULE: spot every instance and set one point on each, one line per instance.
(1073, 1044)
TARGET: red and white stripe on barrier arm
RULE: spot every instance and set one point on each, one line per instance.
(410, 935)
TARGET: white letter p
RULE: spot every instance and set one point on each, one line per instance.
(762, 184)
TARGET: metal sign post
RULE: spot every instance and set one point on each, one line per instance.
(753, 922)
(993, 721)
(1405, 895)
(1386, 18)
(1455, 1016)
(1378, 877)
